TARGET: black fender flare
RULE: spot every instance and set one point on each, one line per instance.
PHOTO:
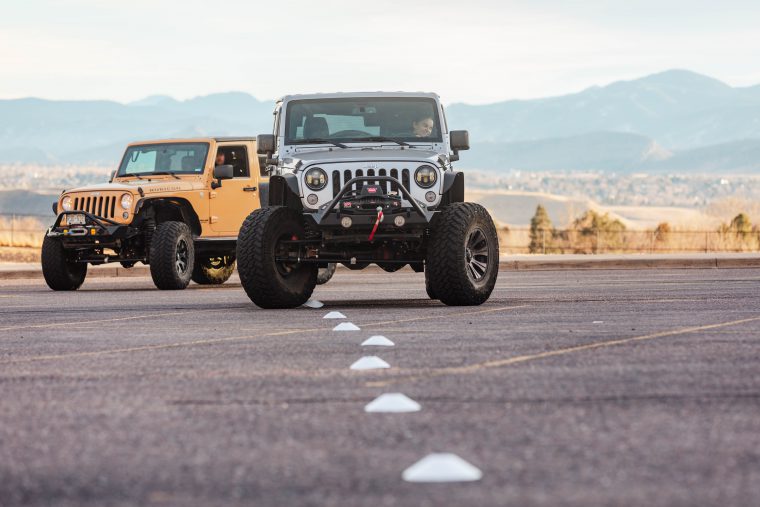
(284, 191)
(453, 186)
(161, 205)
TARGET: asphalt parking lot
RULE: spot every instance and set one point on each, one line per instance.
(604, 387)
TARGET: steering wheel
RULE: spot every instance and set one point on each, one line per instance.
(350, 133)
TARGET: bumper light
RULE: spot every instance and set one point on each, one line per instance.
(346, 222)
(399, 221)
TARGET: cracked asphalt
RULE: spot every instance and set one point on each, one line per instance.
(629, 387)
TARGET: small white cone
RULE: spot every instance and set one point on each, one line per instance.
(369, 363)
(392, 403)
(334, 315)
(598, 322)
(378, 341)
(346, 326)
(313, 303)
(442, 467)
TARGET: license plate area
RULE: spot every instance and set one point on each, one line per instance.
(75, 219)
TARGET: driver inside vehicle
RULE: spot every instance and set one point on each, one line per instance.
(423, 126)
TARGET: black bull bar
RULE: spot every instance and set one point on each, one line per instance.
(325, 210)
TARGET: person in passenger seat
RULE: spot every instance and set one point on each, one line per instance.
(219, 158)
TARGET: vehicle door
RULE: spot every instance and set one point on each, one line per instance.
(231, 203)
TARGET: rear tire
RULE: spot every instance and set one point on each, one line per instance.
(428, 286)
(268, 283)
(213, 270)
(463, 255)
(171, 256)
(59, 272)
(325, 274)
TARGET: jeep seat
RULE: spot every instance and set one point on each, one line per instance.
(188, 163)
(315, 127)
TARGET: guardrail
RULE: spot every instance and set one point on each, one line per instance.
(27, 230)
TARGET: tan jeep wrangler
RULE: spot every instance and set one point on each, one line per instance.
(176, 205)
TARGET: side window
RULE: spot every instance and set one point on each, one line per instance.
(237, 157)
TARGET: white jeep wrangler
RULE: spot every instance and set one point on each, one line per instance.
(362, 178)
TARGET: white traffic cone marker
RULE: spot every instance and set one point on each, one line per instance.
(313, 303)
(346, 326)
(442, 467)
(395, 403)
(369, 363)
(334, 315)
(377, 341)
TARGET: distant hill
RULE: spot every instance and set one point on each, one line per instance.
(35, 130)
(678, 108)
(672, 121)
(614, 152)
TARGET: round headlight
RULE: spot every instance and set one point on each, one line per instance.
(66, 203)
(315, 178)
(126, 201)
(425, 176)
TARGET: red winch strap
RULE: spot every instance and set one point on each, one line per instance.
(377, 223)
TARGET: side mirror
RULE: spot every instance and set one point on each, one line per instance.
(459, 140)
(222, 172)
(265, 144)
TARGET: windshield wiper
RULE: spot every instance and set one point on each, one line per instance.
(166, 172)
(380, 138)
(320, 141)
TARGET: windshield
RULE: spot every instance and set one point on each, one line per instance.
(182, 158)
(408, 120)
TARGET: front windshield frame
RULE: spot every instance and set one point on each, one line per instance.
(435, 137)
(202, 158)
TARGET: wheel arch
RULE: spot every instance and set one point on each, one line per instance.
(169, 208)
(284, 191)
(453, 187)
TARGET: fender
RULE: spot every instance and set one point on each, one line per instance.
(173, 208)
(284, 191)
(453, 187)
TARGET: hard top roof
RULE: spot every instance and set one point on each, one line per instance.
(194, 140)
(348, 95)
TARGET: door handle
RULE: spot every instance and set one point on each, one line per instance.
(249, 189)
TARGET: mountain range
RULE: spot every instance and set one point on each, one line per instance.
(674, 121)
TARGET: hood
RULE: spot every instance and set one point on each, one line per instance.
(362, 156)
(161, 185)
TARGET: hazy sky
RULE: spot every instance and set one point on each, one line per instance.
(466, 50)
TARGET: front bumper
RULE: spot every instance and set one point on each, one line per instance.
(96, 230)
(330, 214)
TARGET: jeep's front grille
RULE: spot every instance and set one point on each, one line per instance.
(102, 206)
(341, 178)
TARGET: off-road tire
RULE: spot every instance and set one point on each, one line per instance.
(325, 274)
(270, 284)
(59, 272)
(448, 274)
(428, 286)
(213, 270)
(166, 249)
